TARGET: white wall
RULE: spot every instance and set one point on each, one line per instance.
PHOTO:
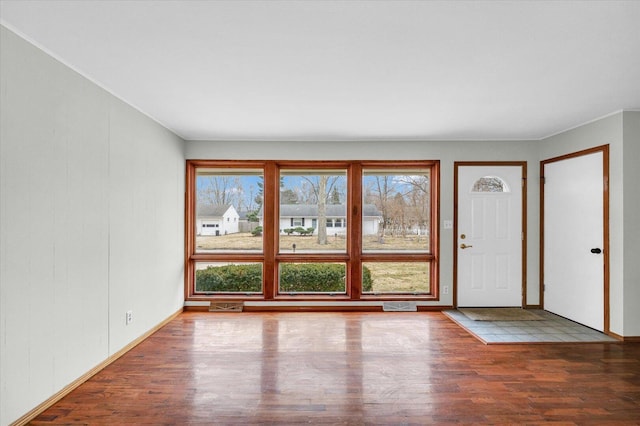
(447, 152)
(91, 209)
(608, 130)
(631, 132)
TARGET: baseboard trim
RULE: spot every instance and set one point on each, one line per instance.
(314, 308)
(317, 308)
(626, 339)
(438, 308)
(191, 308)
(25, 419)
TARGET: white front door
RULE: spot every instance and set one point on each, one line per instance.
(489, 240)
(573, 275)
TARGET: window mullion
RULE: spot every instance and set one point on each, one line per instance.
(270, 216)
(354, 242)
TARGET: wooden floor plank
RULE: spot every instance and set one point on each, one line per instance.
(351, 368)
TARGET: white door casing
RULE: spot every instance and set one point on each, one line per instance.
(573, 276)
(489, 236)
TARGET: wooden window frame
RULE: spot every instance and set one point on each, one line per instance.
(270, 256)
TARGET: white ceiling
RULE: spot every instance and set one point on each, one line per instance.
(350, 70)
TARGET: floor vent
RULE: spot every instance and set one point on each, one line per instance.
(226, 306)
(399, 307)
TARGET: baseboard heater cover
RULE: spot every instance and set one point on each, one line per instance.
(399, 307)
(226, 306)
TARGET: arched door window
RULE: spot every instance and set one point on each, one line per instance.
(490, 184)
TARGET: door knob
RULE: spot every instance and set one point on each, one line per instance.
(464, 246)
(596, 251)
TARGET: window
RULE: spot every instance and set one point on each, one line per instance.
(336, 223)
(315, 194)
(226, 192)
(305, 230)
(490, 184)
(397, 229)
(396, 212)
(396, 277)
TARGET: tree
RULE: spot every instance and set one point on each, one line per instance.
(418, 194)
(397, 213)
(322, 210)
(220, 190)
(403, 200)
(253, 217)
(259, 198)
(288, 196)
(381, 190)
(335, 196)
(318, 191)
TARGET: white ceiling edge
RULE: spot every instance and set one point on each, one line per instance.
(110, 91)
(83, 75)
(577, 126)
(385, 139)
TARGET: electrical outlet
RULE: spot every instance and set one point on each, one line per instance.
(129, 318)
(445, 289)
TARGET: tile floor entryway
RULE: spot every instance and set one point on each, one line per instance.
(551, 329)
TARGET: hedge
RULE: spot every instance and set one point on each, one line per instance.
(294, 277)
(230, 278)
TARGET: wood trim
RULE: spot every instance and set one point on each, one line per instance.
(35, 412)
(541, 238)
(523, 166)
(270, 241)
(605, 217)
(388, 164)
(616, 336)
(196, 308)
(332, 308)
(525, 238)
(434, 247)
(435, 308)
(354, 242)
(454, 284)
(605, 239)
(625, 339)
(189, 243)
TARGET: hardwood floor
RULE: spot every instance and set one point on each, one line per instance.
(352, 368)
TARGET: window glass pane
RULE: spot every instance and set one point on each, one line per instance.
(312, 278)
(313, 210)
(222, 277)
(228, 206)
(395, 277)
(396, 211)
(490, 184)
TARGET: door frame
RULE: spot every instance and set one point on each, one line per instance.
(523, 166)
(605, 217)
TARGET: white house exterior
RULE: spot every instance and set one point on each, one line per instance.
(306, 216)
(217, 220)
